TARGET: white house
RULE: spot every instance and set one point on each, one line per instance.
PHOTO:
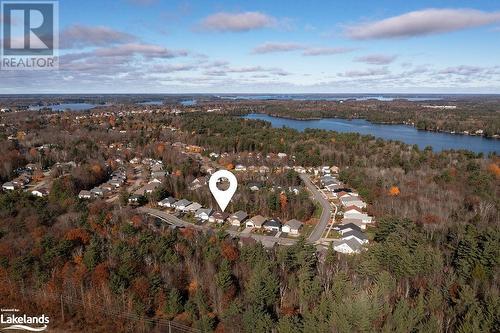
(181, 204)
(354, 212)
(167, 202)
(192, 207)
(256, 222)
(347, 246)
(355, 234)
(218, 217)
(238, 218)
(10, 186)
(203, 213)
(292, 227)
(42, 192)
(352, 201)
(85, 194)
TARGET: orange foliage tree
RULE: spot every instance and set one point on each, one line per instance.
(394, 191)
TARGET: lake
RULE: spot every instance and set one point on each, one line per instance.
(408, 134)
(64, 107)
(329, 97)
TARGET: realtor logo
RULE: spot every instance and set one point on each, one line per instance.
(30, 35)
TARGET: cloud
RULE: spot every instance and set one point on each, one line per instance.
(277, 47)
(77, 36)
(465, 70)
(365, 73)
(377, 59)
(146, 50)
(236, 22)
(320, 51)
(421, 23)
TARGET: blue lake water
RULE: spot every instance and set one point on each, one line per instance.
(64, 107)
(328, 97)
(189, 102)
(151, 103)
(408, 134)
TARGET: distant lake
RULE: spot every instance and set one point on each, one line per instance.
(189, 102)
(64, 107)
(340, 97)
(151, 103)
(407, 134)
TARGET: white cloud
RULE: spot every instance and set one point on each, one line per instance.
(421, 23)
(77, 36)
(320, 51)
(366, 72)
(271, 47)
(376, 59)
(237, 22)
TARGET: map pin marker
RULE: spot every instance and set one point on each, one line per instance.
(223, 197)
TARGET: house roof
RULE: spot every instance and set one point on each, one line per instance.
(352, 243)
(194, 206)
(353, 207)
(272, 223)
(207, 211)
(294, 224)
(356, 222)
(349, 226)
(258, 220)
(182, 202)
(168, 200)
(239, 215)
(220, 215)
(355, 233)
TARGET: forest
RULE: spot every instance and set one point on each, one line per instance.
(433, 264)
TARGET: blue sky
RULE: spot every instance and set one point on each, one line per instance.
(142, 46)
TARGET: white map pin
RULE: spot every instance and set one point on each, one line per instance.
(223, 197)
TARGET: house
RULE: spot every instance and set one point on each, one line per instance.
(299, 169)
(292, 227)
(192, 207)
(254, 186)
(357, 222)
(198, 183)
(354, 212)
(167, 202)
(344, 228)
(135, 198)
(10, 186)
(107, 187)
(256, 222)
(238, 218)
(98, 192)
(147, 189)
(348, 246)
(85, 194)
(272, 225)
(355, 234)
(264, 169)
(352, 201)
(181, 204)
(116, 183)
(41, 192)
(203, 213)
(294, 189)
(218, 217)
(240, 167)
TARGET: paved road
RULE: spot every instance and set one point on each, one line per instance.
(325, 214)
(171, 219)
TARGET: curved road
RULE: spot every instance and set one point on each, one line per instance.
(325, 214)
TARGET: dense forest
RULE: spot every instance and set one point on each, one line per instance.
(433, 264)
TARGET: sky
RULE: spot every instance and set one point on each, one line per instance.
(263, 46)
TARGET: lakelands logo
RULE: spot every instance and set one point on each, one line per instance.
(30, 35)
(11, 320)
